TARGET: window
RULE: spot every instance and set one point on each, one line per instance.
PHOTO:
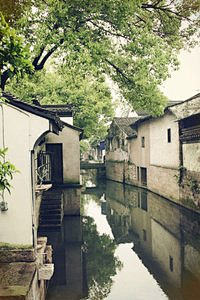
(118, 143)
(144, 200)
(169, 135)
(143, 141)
(138, 174)
(171, 263)
(143, 174)
(144, 235)
(43, 167)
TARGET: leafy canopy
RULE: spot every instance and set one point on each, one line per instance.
(89, 96)
(135, 42)
(14, 55)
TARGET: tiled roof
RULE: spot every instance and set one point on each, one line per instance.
(34, 109)
(186, 108)
(143, 113)
(124, 124)
(61, 109)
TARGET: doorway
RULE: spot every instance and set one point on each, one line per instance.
(143, 176)
(56, 162)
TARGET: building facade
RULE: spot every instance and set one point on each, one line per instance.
(162, 153)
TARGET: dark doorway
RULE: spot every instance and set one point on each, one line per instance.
(144, 176)
(56, 162)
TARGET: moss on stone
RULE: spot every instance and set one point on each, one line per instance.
(8, 246)
(190, 203)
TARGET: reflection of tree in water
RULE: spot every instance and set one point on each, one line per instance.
(101, 262)
(89, 177)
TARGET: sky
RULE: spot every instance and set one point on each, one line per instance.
(185, 82)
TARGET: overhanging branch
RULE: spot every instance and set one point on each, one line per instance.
(119, 71)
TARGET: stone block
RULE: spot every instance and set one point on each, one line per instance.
(45, 271)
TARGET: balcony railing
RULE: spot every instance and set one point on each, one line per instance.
(43, 167)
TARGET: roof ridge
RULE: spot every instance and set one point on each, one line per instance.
(34, 109)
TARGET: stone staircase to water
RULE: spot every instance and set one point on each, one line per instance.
(51, 209)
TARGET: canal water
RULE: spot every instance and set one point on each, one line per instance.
(128, 244)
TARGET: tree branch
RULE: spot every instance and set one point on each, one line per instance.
(45, 58)
(108, 31)
(37, 58)
(164, 9)
(119, 71)
(40, 66)
(4, 77)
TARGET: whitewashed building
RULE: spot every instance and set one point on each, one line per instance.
(42, 147)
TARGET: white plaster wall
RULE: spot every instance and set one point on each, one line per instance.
(16, 223)
(38, 126)
(139, 155)
(191, 157)
(19, 133)
(117, 155)
(68, 120)
(71, 153)
(163, 153)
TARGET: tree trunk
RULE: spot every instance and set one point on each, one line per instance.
(4, 78)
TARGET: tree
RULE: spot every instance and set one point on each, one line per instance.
(89, 96)
(13, 9)
(14, 55)
(101, 262)
(135, 42)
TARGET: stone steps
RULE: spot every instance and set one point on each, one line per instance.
(51, 209)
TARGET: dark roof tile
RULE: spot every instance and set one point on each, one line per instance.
(34, 109)
(125, 124)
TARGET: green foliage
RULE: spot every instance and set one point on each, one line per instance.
(14, 55)
(134, 42)
(84, 147)
(6, 172)
(101, 262)
(13, 9)
(7, 246)
(89, 96)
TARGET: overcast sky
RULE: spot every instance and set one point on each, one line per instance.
(185, 82)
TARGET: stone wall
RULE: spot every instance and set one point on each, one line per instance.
(164, 181)
(131, 173)
(190, 189)
(115, 170)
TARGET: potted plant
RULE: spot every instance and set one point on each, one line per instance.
(6, 175)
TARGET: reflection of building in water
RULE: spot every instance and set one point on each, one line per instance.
(118, 213)
(166, 237)
(69, 280)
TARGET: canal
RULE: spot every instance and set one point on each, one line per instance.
(127, 244)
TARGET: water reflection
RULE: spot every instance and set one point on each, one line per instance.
(129, 244)
(70, 279)
(166, 237)
(102, 264)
